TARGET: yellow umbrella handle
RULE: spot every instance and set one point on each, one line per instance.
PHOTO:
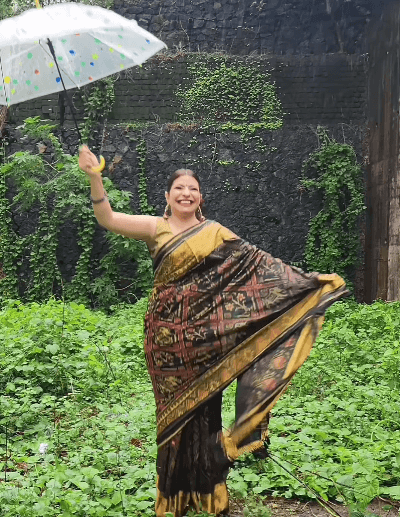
(37, 4)
(101, 166)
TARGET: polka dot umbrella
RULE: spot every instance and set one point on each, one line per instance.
(67, 45)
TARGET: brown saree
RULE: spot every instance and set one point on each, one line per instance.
(221, 310)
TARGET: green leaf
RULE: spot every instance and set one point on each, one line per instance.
(53, 349)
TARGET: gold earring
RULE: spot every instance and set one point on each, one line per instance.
(167, 211)
(199, 214)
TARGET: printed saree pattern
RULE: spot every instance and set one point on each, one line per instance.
(221, 310)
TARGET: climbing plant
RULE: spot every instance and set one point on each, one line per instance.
(141, 150)
(333, 241)
(50, 189)
(98, 100)
(236, 96)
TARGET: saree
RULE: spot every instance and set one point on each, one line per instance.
(222, 310)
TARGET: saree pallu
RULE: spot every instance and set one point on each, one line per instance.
(221, 310)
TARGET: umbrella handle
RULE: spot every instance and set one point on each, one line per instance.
(38, 4)
(101, 166)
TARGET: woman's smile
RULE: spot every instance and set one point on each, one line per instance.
(184, 194)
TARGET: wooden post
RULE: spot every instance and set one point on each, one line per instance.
(382, 244)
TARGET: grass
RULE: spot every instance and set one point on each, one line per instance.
(76, 380)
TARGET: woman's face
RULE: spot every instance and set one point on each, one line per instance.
(184, 196)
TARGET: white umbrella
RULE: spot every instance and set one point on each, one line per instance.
(68, 43)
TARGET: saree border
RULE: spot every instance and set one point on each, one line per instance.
(244, 355)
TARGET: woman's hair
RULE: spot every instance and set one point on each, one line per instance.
(181, 172)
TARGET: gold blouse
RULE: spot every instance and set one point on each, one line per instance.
(163, 235)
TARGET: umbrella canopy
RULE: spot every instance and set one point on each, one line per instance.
(89, 43)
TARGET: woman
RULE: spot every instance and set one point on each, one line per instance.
(220, 310)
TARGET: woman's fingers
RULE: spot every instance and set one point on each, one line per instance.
(87, 160)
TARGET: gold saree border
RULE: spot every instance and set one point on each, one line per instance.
(239, 359)
(254, 418)
(183, 256)
(215, 503)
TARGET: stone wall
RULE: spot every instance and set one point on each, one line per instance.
(261, 26)
(315, 53)
(256, 194)
(325, 89)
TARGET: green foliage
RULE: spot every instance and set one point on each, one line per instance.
(5, 9)
(141, 150)
(235, 96)
(340, 417)
(76, 380)
(333, 241)
(55, 186)
(98, 102)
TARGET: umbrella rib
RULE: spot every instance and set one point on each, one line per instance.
(56, 62)
(50, 44)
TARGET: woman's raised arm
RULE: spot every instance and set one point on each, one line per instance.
(141, 227)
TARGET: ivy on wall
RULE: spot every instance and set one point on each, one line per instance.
(333, 241)
(232, 95)
(224, 96)
(52, 185)
(98, 100)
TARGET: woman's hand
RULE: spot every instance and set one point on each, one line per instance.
(88, 161)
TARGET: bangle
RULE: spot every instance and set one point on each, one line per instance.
(97, 201)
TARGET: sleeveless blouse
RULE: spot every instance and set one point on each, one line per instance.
(163, 235)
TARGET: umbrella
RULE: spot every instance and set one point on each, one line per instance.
(68, 45)
(89, 43)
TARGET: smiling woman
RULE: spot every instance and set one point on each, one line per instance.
(220, 310)
(182, 196)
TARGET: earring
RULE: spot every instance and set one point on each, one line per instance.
(167, 211)
(199, 214)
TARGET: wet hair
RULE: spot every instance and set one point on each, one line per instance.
(182, 172)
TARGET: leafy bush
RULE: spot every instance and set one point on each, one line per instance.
(340, 418)
(55, 186)
(76, 380)
(333, 241)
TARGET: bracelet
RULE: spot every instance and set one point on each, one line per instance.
(97, 201)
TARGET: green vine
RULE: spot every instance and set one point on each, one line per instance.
(141, 150)
(52, 185)
(333, 241)
(98, 103)
(233, 96)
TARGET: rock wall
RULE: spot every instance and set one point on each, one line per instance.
(326, 89)
(256, 194)
(261, 26)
